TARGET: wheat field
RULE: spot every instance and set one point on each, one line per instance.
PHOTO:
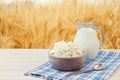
(26, 25)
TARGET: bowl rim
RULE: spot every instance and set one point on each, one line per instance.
(49, 54)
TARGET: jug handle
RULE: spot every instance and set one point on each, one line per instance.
(103, 36)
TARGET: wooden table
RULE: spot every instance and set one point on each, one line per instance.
(15, 62)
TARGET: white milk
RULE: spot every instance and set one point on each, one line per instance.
(87, 38)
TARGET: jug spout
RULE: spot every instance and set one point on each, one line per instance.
(78, 23)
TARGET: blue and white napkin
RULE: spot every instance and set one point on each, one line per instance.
(110, 58)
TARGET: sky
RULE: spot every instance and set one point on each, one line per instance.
(45, 1)
(37, 1)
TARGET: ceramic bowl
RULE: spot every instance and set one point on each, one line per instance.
(67, 63)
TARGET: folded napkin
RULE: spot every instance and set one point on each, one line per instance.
(110, 58)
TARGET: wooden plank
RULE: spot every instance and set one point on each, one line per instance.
(15, 62)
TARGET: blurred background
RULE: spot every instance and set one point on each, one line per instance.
(41, 23)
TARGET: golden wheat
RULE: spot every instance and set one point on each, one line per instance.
(39, 26)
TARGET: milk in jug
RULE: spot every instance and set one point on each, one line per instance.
(86, 37)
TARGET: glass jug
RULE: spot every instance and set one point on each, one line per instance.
(86, 37)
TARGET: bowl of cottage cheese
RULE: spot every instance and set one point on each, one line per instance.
(66, 56)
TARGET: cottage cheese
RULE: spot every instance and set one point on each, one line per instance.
(66, 49)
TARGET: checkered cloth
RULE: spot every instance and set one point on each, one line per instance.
(110, 58)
